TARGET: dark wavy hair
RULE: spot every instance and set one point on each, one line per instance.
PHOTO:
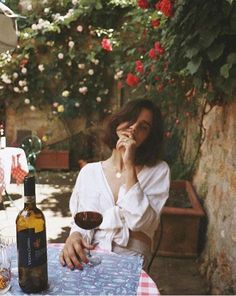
(150, 151)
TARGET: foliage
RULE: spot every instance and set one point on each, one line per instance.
(179, 52)
(72, 52)
(205, 46)
(60, 60)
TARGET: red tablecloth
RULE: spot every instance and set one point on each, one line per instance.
(147, 285)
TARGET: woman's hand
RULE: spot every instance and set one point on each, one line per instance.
(73, 253)
(127, 145)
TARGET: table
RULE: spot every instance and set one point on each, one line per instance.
(63, 281)
(13, 163)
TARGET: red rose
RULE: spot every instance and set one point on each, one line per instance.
(159, 48)
(131, 79)
(139, 67)
(106, 44)
(160, 87)
(155, 23)
(152, 53)
(143, 4)
(23, 62)
(168, 134)
(165, 6)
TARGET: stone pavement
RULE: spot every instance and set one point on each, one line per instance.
(174, 276)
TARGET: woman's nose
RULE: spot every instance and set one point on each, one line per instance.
(132, 128)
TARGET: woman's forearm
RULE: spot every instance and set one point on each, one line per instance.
(130, 177)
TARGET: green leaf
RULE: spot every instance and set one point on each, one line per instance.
(197, 81)
(231, 58)
(230, 1)
(214, 52)
(193, 65)
(155, 15)
(98, 5)
(224, 70)
(192, 52)
(233, 23)
(207, 37)
(211, 96)
(131, 51)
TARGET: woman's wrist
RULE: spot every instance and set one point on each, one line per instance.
(130, 177)
(75, 234)
(130, 170)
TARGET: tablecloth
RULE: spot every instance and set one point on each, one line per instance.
(13, 163)
(146, 286)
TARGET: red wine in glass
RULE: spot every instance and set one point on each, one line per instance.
(89, 220)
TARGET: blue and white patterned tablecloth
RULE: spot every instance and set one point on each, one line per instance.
(116, 275)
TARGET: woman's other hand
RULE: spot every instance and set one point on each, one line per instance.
(126, 144)
(73, 254)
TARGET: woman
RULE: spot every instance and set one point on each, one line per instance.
(129, 188)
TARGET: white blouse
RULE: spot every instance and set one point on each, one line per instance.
(138, 209)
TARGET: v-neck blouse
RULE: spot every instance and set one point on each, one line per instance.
(138, 209)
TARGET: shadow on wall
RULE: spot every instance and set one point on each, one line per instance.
(202, 230)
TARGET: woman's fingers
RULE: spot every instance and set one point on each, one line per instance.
(120, 143)
(126, 134)
(125, 142)
(80, 253)
(87, 245)
(73, 253)
(80, 250)
(61, 258)
(71, 257)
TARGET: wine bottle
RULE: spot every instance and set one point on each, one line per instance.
(31, 243)
(2, 137)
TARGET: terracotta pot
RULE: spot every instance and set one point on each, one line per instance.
(50, 159)
(180, 226)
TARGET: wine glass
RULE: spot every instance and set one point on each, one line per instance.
(89, 220)
(5, 270)
(8, 239)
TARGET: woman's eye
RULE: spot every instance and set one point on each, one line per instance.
(144, 127)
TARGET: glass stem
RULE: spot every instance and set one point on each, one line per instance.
(87, 238)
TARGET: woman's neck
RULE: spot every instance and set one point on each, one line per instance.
(116, 160)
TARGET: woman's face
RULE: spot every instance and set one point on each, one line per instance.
(139, 130)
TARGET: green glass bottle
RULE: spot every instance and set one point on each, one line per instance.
(31, 243)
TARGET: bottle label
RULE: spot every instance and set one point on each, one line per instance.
(32, 249)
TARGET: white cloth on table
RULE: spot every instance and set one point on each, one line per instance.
(7, 155)
(138, 209)
(2, 181)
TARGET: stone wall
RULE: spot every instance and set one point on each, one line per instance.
(40, 123)
(215, 181)
(81, 135)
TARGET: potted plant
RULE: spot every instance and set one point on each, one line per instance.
(53, 159)
(180, 221)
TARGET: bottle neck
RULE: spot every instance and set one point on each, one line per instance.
(2, 130)
(2, 137)
(30, 201)
(3, 143)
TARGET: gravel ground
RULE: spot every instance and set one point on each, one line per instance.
(53, 192)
